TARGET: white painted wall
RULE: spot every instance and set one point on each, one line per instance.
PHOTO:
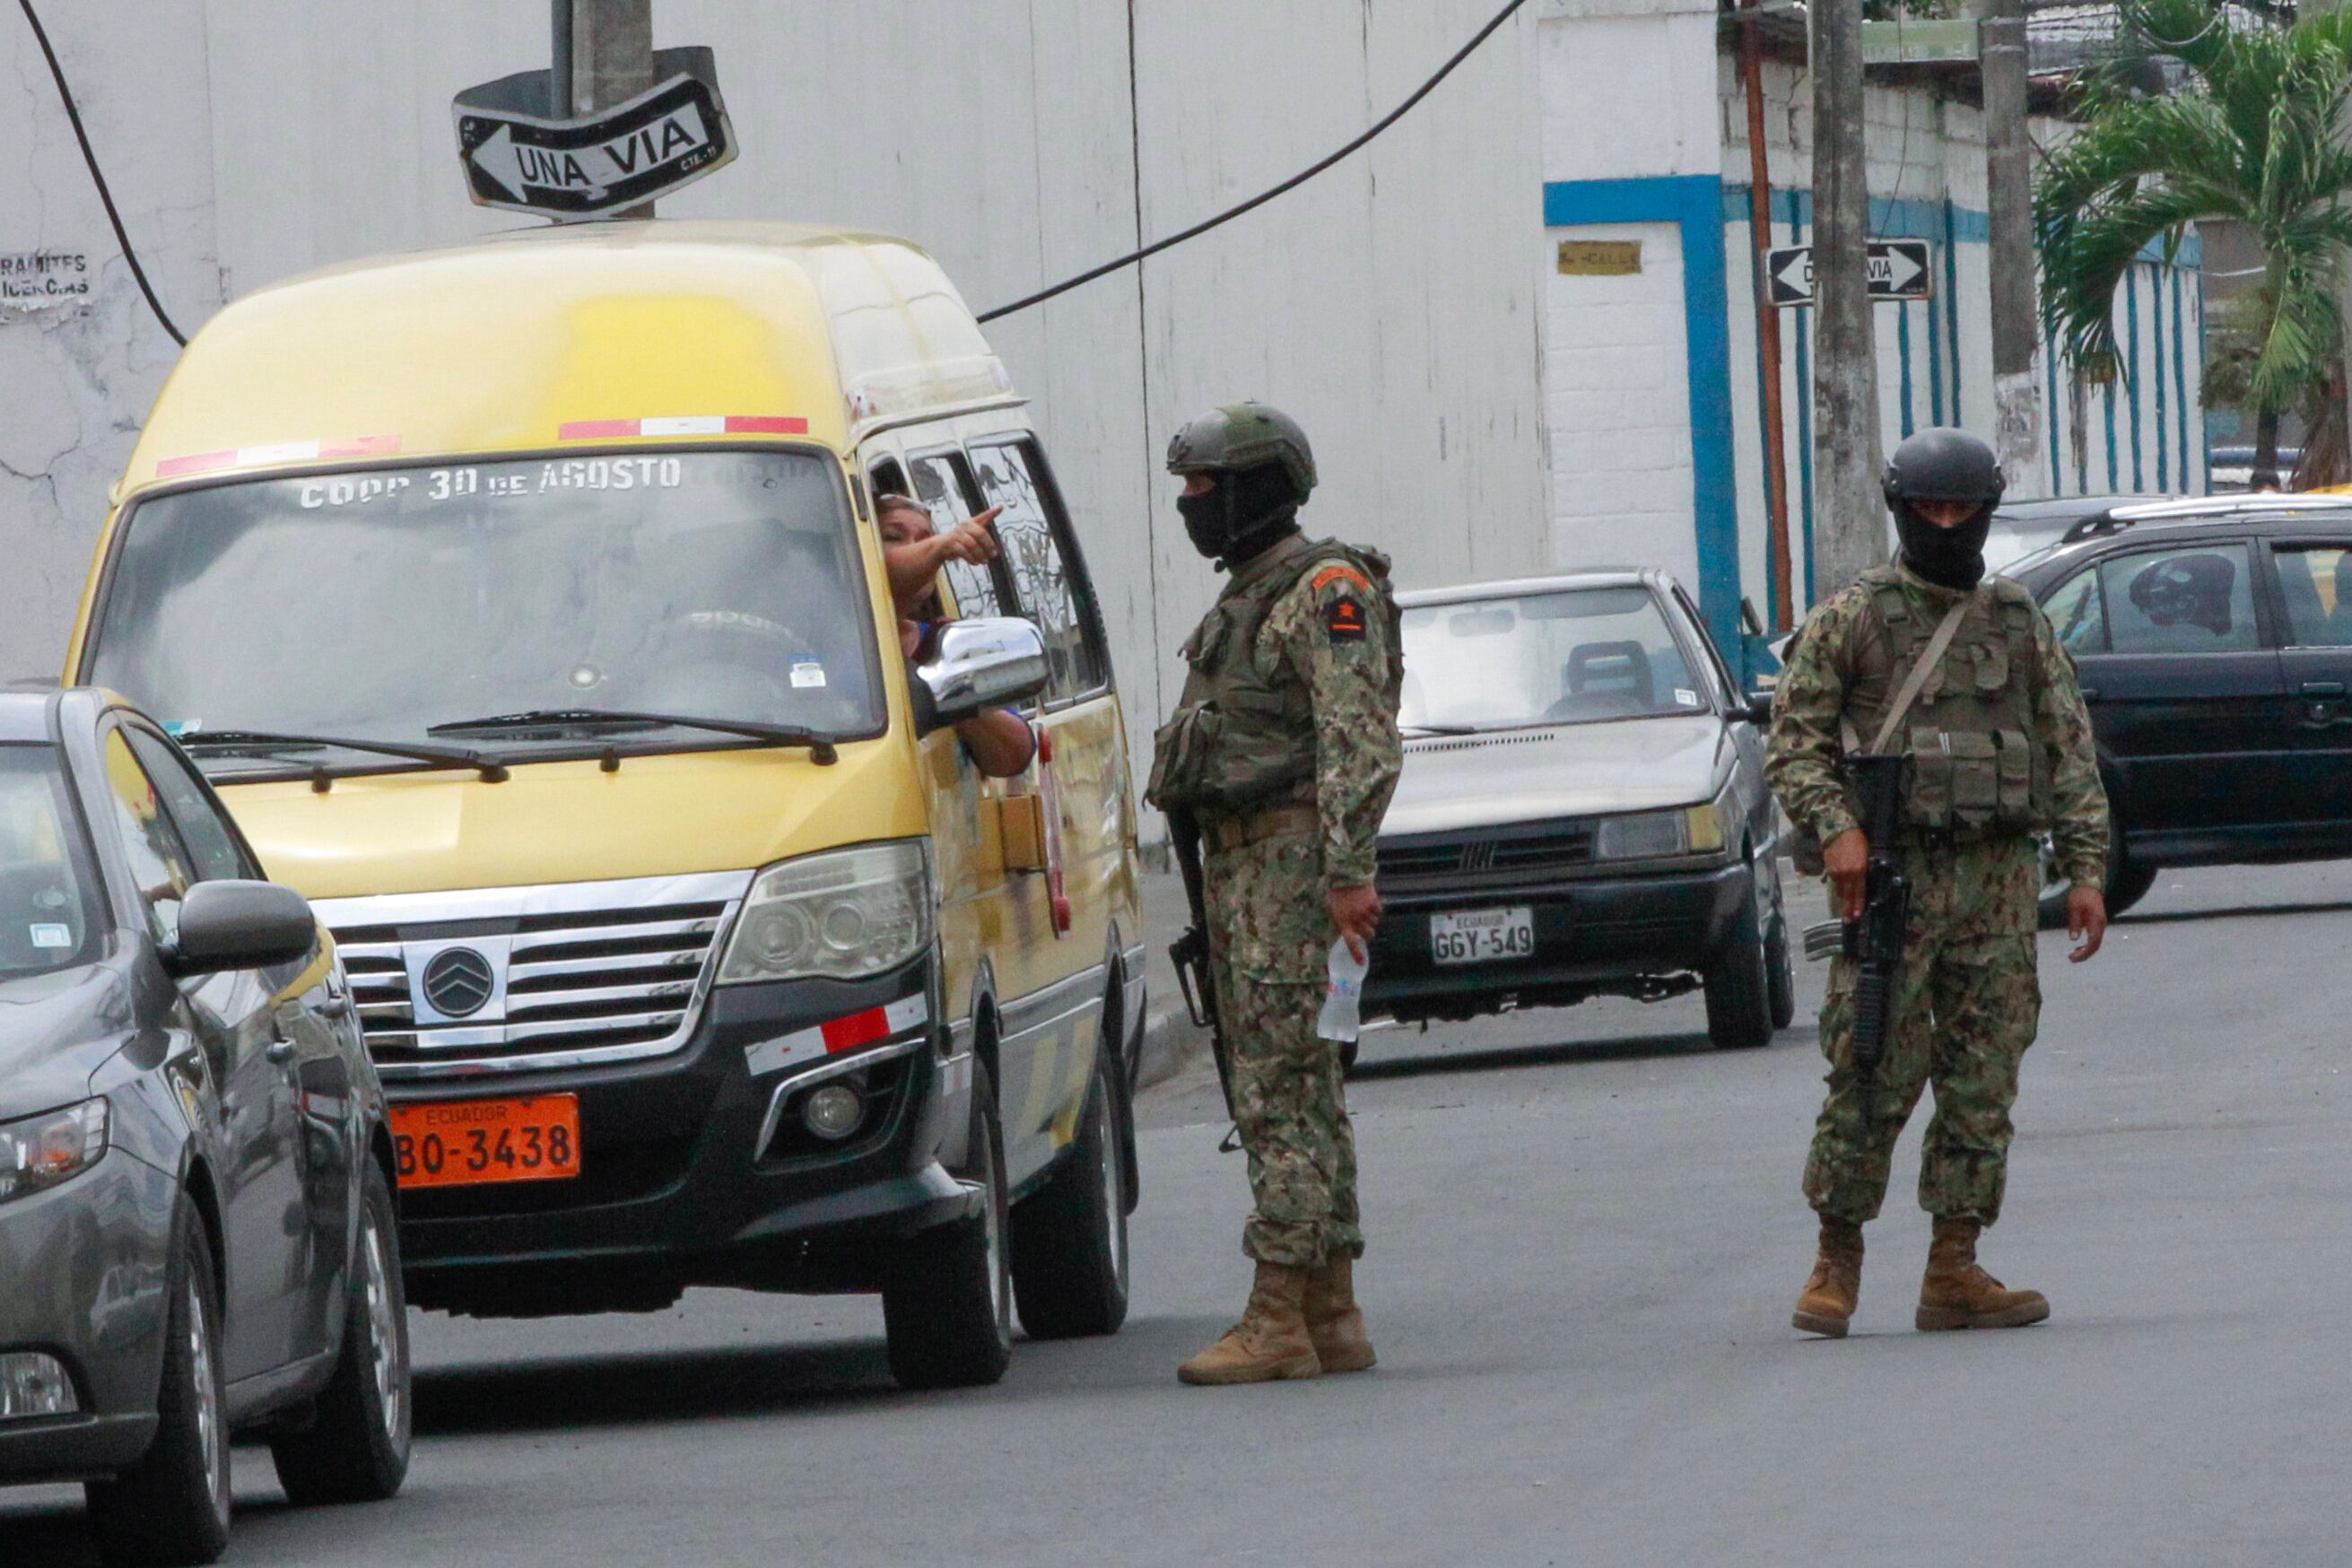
(1391, 305)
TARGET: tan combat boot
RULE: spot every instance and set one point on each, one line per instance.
(1835, 1284)
(1957, 1294)
(1334, 1321)
(1270, 1343)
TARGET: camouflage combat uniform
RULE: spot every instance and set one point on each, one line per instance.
(1967, 999)
(1294, 797)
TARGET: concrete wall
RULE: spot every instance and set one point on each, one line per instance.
(1393, 305)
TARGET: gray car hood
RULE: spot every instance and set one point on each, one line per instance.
(55, 1031)
(1452, 782)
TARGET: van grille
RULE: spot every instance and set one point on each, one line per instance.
(609, 982)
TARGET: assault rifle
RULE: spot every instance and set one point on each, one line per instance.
(1875, 940)
(1190, 952)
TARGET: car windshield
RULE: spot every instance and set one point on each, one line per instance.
(1563, 658)
(45, 898)
(375, 605)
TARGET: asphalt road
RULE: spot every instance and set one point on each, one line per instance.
(1586, 1238)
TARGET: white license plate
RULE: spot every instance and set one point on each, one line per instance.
(1482, 936)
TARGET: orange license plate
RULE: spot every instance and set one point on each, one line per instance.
(461, 1143)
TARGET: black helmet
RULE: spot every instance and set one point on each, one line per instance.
(1944, 465)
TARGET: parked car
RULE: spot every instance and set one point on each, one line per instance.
(658, 864)
(2215, 645)
(1582, 811)
(2020, 528)
(197, 1236)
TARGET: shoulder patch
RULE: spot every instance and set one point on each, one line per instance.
(1343, 619)
(1339, 572)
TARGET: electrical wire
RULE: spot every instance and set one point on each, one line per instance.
(1157, 246)
(98, 177)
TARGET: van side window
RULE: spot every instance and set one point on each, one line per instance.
(1047, 579)
(944, 486)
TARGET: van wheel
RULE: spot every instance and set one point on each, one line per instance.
(173, 1506)
(947, 1306)
(357, 1449)
(1069, 1239)
(1740, 987)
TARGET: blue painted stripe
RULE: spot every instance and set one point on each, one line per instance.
(2131, 366)
(1694, 202)
(2115, 479)
(1906, 218)
(1936, 366)
(2181, 377)
(2163, 426)
(1952, 308)
(1903, 359)
(2049, 368)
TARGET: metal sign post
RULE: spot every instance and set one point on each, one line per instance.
(521, 156)
(1899, 269)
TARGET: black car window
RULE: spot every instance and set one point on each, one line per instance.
(1036, 549)
(2079, 612)
(2197, 598)
(944, 487)
(211, 842)
(160, 864)
(2315, 581)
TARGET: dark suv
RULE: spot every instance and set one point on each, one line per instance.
(2216, 654)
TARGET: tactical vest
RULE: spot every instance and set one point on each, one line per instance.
(1976, 769)
(1243, 735)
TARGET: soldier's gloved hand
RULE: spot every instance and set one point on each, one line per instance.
(1357, 912)
(1847, 860)
(2086, 921)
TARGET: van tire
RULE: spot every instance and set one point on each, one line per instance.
(173, 1506)
(356, 1450)
(947, 1303)
(1069, 1239)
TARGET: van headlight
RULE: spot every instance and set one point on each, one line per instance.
(841, 915)
(38, 1152)
(1661, 834)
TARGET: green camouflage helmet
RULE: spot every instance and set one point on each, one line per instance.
(1242, 436)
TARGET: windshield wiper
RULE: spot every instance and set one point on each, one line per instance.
(491, 769)
(1441, 729)
(819, 746)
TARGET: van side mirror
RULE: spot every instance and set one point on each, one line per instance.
(241, 925)
(979, 665)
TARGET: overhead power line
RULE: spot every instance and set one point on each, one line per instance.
(97, 176)
(1297, 180)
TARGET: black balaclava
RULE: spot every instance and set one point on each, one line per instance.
(1249, 513)
(1947, 557)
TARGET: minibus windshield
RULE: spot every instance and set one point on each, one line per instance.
(377, 603)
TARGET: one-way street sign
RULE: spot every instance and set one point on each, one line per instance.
(1899, 270)
(519, 158)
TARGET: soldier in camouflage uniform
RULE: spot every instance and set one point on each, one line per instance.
(1285, 749)
(2001, 751)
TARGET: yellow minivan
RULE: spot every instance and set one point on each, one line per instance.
(525, 602)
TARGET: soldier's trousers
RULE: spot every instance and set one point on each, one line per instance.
(1967, 1006)
(1270, 934)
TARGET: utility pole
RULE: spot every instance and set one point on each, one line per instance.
(604, 54)
(1849, 516)
(2009, 180)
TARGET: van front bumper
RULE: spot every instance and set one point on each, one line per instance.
(1637, 934)
(695, 1168)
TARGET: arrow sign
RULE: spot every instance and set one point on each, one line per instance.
(1898, 269)
(667, 136)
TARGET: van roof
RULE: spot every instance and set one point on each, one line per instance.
(544, 338)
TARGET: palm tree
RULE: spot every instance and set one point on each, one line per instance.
(2252, 136)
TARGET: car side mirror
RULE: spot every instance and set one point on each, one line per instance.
(241, 925)
(1757, 709)
(976, 665)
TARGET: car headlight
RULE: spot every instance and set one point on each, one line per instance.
(1660, 834)
(841, 915)
(38, 1152)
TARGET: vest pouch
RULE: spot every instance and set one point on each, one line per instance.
(1182, 753)
(1975, 762)
(2017, 806)
(1930, 801)
(1992, 669)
